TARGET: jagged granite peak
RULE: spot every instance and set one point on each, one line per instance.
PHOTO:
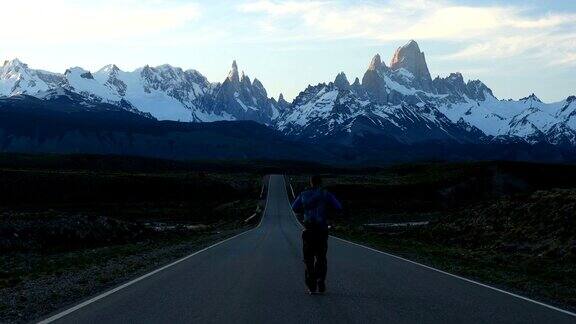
(356, 82)
(243, 100)
(341, 81)
(457, 77)
(531, 97)
(282, 104)
(260, 87)
(376, 63)
(281, 99)
(233, 75)
(244, 79)
(453, 84)
(373, 80)
(404, 54)
(410, 58)
(477, 90)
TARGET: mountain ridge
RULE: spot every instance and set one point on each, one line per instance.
(164, 91)
(399, 104)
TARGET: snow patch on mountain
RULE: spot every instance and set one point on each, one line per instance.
(16, 78)
(399, 102)
(404, 98)
(165, 92)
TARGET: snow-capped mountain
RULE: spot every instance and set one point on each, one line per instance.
(245, 100)
(16, 78)
(398, 103)
(403, 102)
(165, 92)
(338, 109)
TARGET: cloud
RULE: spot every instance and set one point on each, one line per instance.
(567, 59)
(284, 8)
(487, 32)
(67, 21)
(499, 47)
(546, 49)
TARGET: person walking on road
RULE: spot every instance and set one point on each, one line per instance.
(315, 203)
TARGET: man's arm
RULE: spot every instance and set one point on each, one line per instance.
(297, 205)
(334, 202)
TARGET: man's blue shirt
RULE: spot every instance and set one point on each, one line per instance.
(315, 203)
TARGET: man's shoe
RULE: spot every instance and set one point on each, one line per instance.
(321, 287)
(311, 285)
(311, 289)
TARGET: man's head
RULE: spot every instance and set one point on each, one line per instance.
(315, 181)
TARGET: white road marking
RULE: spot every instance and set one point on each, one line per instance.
(461, 278)
(129, 283)
(450, 274)
(110, 292)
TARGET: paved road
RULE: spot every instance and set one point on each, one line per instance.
(257, 278)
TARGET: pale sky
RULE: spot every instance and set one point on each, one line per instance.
(515, 47)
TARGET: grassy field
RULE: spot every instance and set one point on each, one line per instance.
(508, 224)
(73, 229)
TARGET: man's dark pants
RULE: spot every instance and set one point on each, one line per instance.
(315, 246)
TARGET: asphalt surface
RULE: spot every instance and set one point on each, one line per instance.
(257, 277)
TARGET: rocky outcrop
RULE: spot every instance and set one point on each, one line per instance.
(410, 58)
(282, 104)
(376, 63)
(341, 82)
(454, 86)
(373, 82)
(244, 100)
(477, 90)
(233, 74)
(531, 97)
